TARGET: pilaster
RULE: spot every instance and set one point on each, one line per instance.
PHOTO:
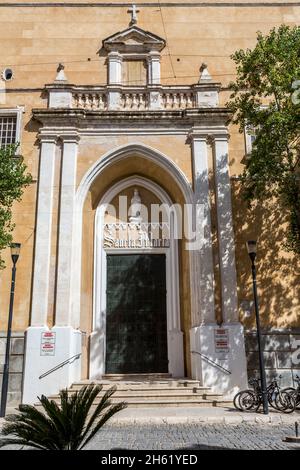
(41, 270)
(204, 310)
(63, 315)
(225, 229)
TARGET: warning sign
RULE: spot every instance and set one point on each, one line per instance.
(48, 343)
(222, 340)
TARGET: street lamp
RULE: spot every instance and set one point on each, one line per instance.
(251, 248)
(15, 252)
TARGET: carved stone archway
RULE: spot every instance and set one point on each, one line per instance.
(174, 333)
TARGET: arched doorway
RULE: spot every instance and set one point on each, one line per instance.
(136, 313)
(112, 168)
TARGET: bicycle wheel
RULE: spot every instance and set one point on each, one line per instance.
(289, 390)
(246, 400)
(285, 402)
(296, 396)
(236, 399)
(271, 400)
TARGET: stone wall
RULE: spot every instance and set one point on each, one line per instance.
(280, 355)
(15, 366)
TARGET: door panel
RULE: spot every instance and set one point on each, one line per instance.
(136, 324)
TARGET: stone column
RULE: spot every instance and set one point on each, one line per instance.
(41, 271)
(203, 338)
(63, 315)
(67, 336)
(114, 68)
(225, 230)
(154, 80)
(154, 68)
(114, 80)
(205, 310)
(201, 259)
(232, 357)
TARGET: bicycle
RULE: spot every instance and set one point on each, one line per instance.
(249, 399)
(295, 391)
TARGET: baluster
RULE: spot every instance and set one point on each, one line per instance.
(134, 101)
(168, 105)
(181, 100)
(94, 101)
(141, 101)
(189, 103)
(175, 100)
(101, 102)
(86, 101)
(79, 101)
(127, 101)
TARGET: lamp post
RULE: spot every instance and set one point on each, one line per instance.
(15, 251)
(251, 248)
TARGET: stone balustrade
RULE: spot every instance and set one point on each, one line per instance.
(87, 100)
(178, 100)
(133, 98)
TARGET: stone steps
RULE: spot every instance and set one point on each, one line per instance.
(139, 377)
(129, 395)
(166, 392)
(145, 385)
(161, 403)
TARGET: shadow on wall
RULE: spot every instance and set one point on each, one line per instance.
(278, 272)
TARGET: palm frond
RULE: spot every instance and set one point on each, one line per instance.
(112, 410)
(104, 403)
(67, 426)
(10, 441)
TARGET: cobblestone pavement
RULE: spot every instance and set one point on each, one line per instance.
(194, 437)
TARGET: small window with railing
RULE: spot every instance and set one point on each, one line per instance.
(250, 136)
(8, 130)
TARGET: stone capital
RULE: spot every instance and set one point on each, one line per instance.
(47, 138)
(198, 135)
(221, 136)
(72, 138)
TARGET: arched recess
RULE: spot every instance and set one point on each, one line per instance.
(96, 175)
(174, 333)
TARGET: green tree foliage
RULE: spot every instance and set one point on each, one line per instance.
(265, 97)
(69, 426)
(13, 180)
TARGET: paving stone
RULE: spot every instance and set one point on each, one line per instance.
(212, 436)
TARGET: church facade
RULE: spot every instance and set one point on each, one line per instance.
(133, 232)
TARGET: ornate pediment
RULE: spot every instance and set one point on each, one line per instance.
(133, 39)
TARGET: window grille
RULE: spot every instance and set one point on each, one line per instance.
(8, 130)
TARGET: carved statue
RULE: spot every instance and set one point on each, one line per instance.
(135, 208)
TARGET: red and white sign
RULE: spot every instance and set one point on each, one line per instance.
(222, 340)
(48, 343)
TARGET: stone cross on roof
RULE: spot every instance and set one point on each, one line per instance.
(134, 11)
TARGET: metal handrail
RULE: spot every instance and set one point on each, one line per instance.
(61, 364)
(213, 362)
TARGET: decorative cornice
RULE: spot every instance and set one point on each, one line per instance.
(144, 41)
(220, 4)
(83, 119)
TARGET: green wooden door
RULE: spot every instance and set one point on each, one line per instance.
(136, 322)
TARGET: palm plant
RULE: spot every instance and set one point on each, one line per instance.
(69, 426)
